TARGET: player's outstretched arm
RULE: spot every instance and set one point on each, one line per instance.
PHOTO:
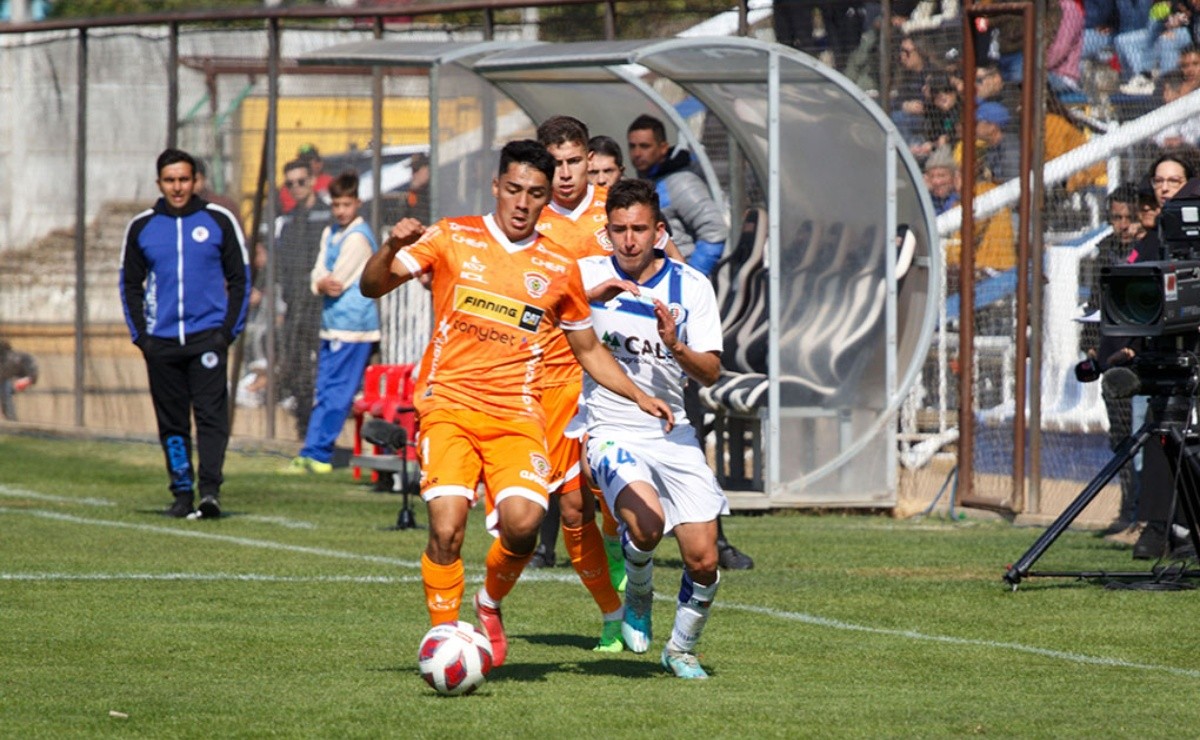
(380, 274)
(704, 367)
(599, 363)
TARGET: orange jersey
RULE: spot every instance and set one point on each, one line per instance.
(497, 305)
(578, 234)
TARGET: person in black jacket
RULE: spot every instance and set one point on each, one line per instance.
(185, 278)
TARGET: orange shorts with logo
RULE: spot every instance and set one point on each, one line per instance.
(460, 448)
(560, 403)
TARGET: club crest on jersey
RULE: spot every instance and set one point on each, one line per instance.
(677, 311)
(200, 234)
(536, 284)
(602, 238)
(541, 466)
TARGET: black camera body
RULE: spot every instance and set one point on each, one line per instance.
(1152, 299)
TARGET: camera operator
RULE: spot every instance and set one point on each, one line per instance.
(1115, 249)
(1171, 175)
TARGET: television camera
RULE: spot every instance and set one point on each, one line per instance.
(1156, 305)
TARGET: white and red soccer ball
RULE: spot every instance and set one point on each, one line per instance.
(454, 658)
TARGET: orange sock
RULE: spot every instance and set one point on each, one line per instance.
(503, 570)
(608, 523)
(586, 548)
(443, 589)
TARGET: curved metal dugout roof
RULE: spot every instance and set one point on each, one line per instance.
(809, 135)
(841, 335)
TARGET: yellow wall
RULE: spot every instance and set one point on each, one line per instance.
(333, 125)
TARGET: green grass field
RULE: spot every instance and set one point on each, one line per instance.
(299, 615)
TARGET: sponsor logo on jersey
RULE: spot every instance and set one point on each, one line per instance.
(602, 238)
(548, 265)
(472, 270)
(612, 341)
(455, 226)
(485, 333)
(461, 239)
(536, 284)
(200, 234)
(498, 308)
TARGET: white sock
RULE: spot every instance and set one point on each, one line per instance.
(639, 569)
(691, 613)
(486, 600)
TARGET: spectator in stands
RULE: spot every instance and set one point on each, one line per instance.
(994, 235)
(349, 324)
(605, 162)
(695, 221)
(1184, 133)
(1065, 51)
(311, 157)
(942, 113)
(1168, 33)
(414, 202)
(1003, 38)
(299, 240)
(908, 90)
(1120, 25)
(1189, 66)
(990, 88)
(1001, 154)
(942, 180)
(212, 196)
(843, 22)
(1063, 133)
(917, 16)
(18, 371)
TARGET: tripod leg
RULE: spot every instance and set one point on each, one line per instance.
(1184, 456)
(1123, 454)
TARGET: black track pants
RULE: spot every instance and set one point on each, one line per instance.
(186, 379)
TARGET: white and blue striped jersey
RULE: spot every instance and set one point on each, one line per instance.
(626, 325)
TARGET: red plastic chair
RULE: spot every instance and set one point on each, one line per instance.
(387, 394)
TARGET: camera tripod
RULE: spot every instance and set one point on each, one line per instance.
(1182, 448)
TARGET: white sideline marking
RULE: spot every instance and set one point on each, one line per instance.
(542, 576)
(280, 520)
(22, 493)
(253, 577)
(946, 639)
(197, 534)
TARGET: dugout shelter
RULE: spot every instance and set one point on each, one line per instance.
(827, 316)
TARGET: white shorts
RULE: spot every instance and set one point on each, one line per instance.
(674, 466)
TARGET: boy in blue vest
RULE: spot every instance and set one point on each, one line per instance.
(349, 324)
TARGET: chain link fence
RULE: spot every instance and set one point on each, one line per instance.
(913, 67)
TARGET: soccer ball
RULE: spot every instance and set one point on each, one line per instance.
(454, 658)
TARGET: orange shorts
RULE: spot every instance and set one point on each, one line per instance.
(561, 402)
(459, 448)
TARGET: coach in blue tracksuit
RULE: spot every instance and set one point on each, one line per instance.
(185, 278)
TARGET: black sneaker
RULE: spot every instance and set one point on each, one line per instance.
(182, 508)
(543, 557)
(1152, 544)
(731, 558)
(210, 507)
